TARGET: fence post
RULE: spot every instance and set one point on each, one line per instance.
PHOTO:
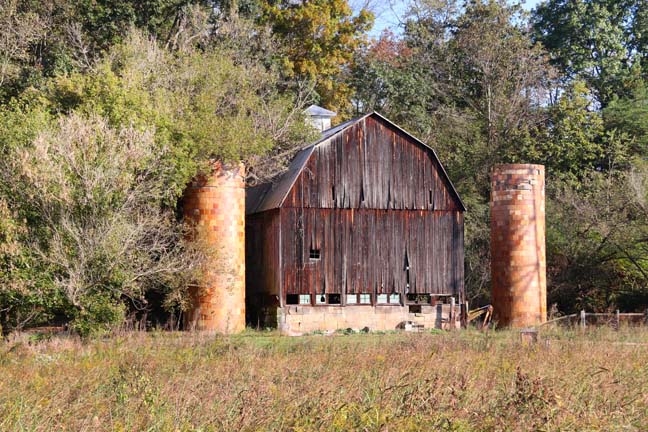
(453, 318)
(582, 319)
(617, 320)
(464, 315)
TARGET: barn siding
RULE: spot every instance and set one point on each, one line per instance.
(371, 199)
(365, 252)
(262, 262)
(372, 165)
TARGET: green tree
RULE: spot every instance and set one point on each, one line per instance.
(96, 225)
(387, 78)
(94, 163)
(51, 37)
(106, 22)
(600, 42)
(630, 115)
(597, 241)
(574, 141)
(20, 30)
(502, 74)
(472, 76)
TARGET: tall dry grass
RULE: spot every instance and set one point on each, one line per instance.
(463, 381)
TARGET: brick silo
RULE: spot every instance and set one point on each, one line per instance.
(518, 257)
(215, 205)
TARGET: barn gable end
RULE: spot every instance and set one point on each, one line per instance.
(371, 164)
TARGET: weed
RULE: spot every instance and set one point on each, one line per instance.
(258, 381)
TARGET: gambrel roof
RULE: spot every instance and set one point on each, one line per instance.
(273, 195)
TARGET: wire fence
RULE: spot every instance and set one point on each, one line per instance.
(612, 319)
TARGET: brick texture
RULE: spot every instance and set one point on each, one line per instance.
(215, 207)
(518, 257)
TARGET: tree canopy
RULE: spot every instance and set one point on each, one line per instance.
(484, 82)
(109, 108)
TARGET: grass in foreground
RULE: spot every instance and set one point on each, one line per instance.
(462, 381)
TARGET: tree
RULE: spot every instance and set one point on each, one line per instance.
(96, 222)
(574, 141)
(51, 37)
(20, 31)
(477, 67)
(386, 79)
(503, 76)
(597, 241)
(319, 38)
(94, 164)
(630, 116)
(600, 42)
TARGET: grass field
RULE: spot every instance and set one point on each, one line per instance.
(461, 381)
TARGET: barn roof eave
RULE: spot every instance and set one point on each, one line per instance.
(274, 196)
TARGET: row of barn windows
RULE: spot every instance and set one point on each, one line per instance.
(364, 299)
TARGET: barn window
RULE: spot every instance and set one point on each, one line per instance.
(304, 299)
(415, 308)
(392, 299)
(418, 298)
(315, 254)
(363, 298)
(334, 298)
(328, 299)
(300, 299)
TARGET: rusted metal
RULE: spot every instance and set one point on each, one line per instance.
(366, 209)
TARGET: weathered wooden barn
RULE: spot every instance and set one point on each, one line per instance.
(365, 229)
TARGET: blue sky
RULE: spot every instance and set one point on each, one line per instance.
(389, 12)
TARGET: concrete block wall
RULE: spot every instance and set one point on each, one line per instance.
(295, 320)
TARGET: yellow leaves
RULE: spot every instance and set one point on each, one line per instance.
(320, 37)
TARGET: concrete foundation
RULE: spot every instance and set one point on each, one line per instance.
(215, 206)
(518, 257)
(296, 320)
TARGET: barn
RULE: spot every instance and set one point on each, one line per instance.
(365, 229)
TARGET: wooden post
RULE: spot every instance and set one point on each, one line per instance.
(452, 317)
(529, 336)
(464, 315)
(617, 320)
(582, 319)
